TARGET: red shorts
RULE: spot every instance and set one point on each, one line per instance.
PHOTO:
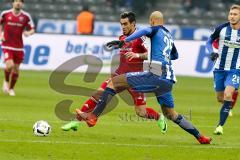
(138, 98)
(16, 56)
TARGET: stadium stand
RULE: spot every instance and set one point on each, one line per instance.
(108, 10)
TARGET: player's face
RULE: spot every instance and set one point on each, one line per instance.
(127, 27)
(234, 16)
(17, 4)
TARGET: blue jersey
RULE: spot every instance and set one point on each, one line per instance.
(162, 50)
(229, 47)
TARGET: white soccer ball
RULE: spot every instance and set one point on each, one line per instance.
(41, 128)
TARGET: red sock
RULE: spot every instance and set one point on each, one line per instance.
(14, 78)
(152, 114)
(7, 75)
(89, 105)
(234, 98)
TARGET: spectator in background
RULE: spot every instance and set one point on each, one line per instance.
(127, 4)
(85, 21)
(139, 8)
(187, 5)
(196, 6)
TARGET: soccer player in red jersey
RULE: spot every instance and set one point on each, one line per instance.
(132, 56)
(13, 24)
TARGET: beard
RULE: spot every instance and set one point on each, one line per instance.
(17, 7)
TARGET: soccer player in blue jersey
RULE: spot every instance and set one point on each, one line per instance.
(159, 77)
(227, 62)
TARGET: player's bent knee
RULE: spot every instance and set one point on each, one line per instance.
(228, 96)
(119, 83)
(97, 94)
(9, 66)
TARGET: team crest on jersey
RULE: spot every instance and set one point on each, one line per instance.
(21, 19)
(9, 18)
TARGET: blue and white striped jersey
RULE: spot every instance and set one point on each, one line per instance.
(162, 51)
(228, 47)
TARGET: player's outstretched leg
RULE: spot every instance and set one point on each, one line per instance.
(88, 106)
(92, 117)
(185, 124)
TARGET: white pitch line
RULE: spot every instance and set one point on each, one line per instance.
(112, 123)
(123, 144)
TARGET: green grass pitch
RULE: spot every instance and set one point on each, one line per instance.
(118, 135)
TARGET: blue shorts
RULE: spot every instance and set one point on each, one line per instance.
(226, 78)
(148, 82)
(166, 100)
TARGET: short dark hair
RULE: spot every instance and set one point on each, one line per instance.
(21, 0)
(130, 15)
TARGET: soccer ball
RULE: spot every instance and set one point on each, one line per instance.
(41, 128)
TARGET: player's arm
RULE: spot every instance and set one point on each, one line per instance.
(174, 53)
(29, 33)
(142, 32)
(132, 55)
(1, 28)
(1, 33)
(119, 43)
(30, 27)
(211, 39)
(142, 48)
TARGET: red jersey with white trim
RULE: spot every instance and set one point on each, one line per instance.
(136, 64)
(13, 27)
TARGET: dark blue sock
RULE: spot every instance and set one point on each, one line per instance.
(103, 101)
(224, 112)
(187, 126)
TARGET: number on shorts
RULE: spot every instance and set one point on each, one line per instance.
(236, 79)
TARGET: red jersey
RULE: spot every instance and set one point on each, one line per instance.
(13, 27)
(136, 64)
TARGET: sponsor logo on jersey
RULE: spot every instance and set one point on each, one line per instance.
(21, 19)
(15, 24)
(232, 44)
